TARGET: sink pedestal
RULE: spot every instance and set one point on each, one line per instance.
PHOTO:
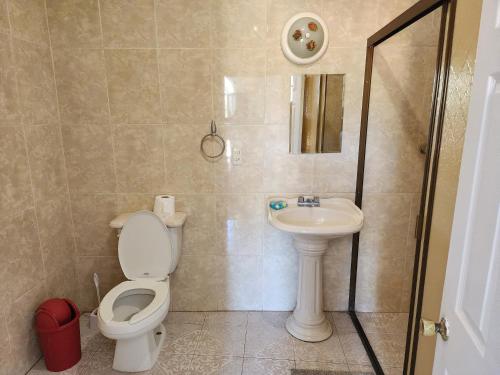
(311, 228)
(308, 321)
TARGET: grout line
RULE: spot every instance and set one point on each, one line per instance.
(275, 359)
(100, 24)
(25, 141)
(68, 193)
(212, 165)
(166, 48)
(34, 364)
(110, 124)
(246, 331)
(275, 48)
(198, 340)
(342, 346)
(265, 195)
(31, 43)
(163, 115)
(163, 112)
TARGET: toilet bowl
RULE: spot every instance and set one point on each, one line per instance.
(131, 313)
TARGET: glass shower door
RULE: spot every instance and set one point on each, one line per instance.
(396, 156)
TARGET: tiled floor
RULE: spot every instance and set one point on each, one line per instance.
(387, 335)
(227, 343)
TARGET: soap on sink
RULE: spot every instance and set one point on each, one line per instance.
(278, 205)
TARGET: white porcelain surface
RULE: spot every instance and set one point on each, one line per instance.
(335, 217)
(176, 220)
(174, 224)
(144, 248)
(132, 302)
(132, 311)
(312, 227)
(138, 342)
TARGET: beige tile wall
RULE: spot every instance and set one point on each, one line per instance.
(111, 97)
(138, 82)
(37, 248)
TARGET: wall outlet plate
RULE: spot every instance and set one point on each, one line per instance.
(236, 156)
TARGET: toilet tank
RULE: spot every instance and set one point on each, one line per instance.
(176, 239)
(175, 225)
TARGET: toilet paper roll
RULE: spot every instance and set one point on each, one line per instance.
(164, 206)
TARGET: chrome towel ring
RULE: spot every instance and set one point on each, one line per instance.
(213, 136)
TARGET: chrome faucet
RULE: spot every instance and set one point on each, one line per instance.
(308, 202)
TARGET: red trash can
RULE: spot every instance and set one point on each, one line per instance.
(57, 323)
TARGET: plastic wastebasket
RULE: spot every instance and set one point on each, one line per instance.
(57, 323)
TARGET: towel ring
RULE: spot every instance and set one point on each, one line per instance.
(213, 134)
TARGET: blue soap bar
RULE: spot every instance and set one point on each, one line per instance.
(278, 205)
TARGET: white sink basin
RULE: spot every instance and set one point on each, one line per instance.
(311, 228)
(334, 218)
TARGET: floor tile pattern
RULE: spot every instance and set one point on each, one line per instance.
(387, 335)
(230, 343)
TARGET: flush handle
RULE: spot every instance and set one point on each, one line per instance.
(430, 328)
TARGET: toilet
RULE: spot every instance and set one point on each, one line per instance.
(132, 312)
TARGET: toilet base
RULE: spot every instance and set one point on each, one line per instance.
(139, 353)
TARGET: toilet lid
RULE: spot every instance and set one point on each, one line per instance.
(144, 247)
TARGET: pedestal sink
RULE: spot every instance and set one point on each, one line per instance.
(312, 228)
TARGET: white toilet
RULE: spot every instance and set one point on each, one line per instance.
(132, 312)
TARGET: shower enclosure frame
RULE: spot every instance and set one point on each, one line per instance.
(407, 18)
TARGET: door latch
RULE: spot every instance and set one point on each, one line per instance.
(430, 328)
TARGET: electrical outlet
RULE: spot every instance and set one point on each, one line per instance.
(236, 156)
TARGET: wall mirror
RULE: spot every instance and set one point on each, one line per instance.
(316, 113)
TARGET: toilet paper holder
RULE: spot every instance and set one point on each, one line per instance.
(213, 136)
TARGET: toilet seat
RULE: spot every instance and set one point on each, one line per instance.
(144, 252)
(144, 247)
(161, 292)
(145, 256)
